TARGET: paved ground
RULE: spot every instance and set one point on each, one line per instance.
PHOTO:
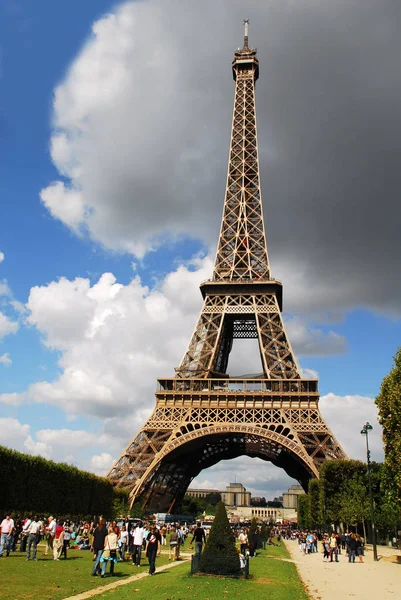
(343, 580)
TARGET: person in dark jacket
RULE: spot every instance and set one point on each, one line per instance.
(99, 535)
(200, 538)
(352, 547)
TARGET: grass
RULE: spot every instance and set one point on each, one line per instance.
(271, 578)
(49, 580)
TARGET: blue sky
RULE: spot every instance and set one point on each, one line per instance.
(110, 103)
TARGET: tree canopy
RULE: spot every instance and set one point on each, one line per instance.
(389, 405)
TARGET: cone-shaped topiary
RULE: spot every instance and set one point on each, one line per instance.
(220, 556)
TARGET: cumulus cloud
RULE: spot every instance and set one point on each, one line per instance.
(5, 359)
(115, 340)
(141, 143)
(1, 257)
(101, 463)
(17, 436)
(346, 416)
(7, 326)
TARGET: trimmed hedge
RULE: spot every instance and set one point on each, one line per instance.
(220, 556)
(34, 484)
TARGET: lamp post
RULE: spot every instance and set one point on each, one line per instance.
(365, 431)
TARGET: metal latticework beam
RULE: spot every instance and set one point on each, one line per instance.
(202, 415)
(242, 251)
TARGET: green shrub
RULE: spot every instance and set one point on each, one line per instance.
(220, 556)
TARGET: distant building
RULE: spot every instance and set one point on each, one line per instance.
(290, 498)
(240, 505)
(234, 495)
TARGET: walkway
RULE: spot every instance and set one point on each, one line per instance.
(368, 581)
(115, 584)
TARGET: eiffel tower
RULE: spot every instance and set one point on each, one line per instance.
(203, 415)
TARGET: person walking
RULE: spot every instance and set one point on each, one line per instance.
(138, 538)
(7, 529)
(200, 538)
(109, 552)
(33, 537)
(153, 542)
(58, 540)
(50, 533)
(172, 553)
(99, 535)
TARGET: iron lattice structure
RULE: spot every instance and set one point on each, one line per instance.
(202, 415)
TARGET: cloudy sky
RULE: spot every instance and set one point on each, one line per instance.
(114, 132)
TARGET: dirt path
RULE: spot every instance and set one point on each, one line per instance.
(368, 581)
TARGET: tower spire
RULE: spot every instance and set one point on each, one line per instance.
(246, 25)
(242, 250)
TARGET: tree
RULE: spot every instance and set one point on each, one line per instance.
(137, 511)
(334, 478)
(354, 502)
(315, 512)
(120, 503)
(213, 498)
(303, 511)
(389, 404)
(220, 556)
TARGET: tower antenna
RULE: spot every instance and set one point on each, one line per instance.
(246, 24)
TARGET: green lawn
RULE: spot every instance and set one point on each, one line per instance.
(50, 580)
(270, 579)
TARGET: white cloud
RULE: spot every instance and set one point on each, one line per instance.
(7, 326)
(346, 416)
(141, 148)
(5, 359)
(17, 436)
(1, 257)
(4, 289)
(101, 463)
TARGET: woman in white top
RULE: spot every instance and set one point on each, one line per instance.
(123, 542)
(109, 552)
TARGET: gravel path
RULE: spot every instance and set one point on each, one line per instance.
(343, 580)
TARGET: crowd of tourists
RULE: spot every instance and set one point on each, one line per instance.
(332, 545)
(110, 542)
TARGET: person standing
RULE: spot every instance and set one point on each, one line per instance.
(163, 533)
(200, 538)
(243, 541)
(99, 535)
(173, 544)
(7, 529)
(58, 540)
(110, 552)
(24, 534)
(180, 540)
(122, 542)
(66, 539)
(352, 548)
(153, 541)
(333, 547)
(359, 548)
(139, 536)
(50, 532)
(33, 537)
